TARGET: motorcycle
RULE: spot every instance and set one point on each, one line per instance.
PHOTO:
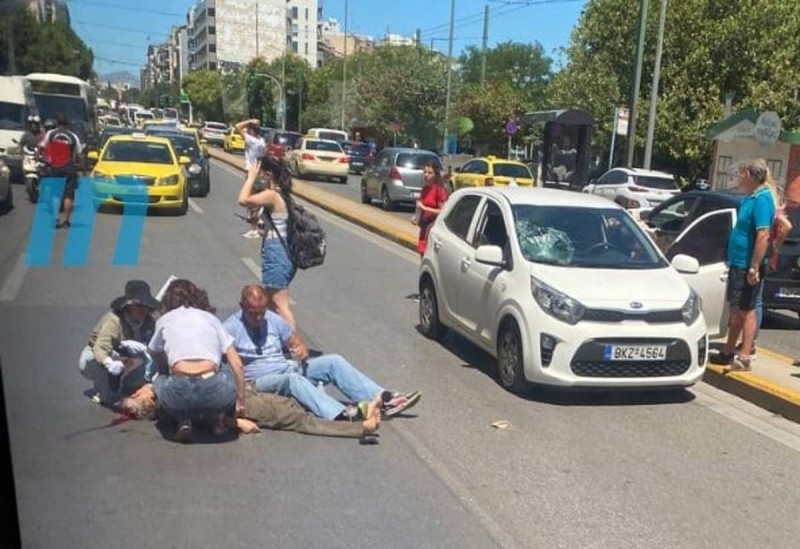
(32, 169)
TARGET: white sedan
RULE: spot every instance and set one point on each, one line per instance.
(563, 289)
(318, 157)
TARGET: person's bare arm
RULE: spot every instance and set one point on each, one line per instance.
(759, 252)
(246, 196)
(238, 371)
(298, 347)
(242, 126)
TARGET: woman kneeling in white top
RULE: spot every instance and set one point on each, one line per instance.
(194, 341)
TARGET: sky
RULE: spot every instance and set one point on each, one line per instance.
(118, 31)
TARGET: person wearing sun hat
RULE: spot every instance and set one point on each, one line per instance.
(115, 358)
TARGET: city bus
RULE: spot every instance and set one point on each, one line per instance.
(76, 98)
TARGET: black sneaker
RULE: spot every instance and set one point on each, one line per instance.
(722, 358)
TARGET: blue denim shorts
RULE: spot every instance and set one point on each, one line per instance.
(192, 397)
(277, 269)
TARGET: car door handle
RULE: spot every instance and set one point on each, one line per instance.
(437, 244)
(465, 263)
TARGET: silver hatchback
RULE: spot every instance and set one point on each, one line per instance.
(395, 176)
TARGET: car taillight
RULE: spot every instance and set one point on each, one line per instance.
(394, 173)
(489, 182)
(635, 189)
(306, 156)
(344, 160)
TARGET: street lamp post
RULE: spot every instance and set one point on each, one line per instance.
(280, 88)
(449, 74)
(344, 67)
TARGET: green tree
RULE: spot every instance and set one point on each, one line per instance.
(489, 109)
(42, 47)
(205, 91)
(524, 67)
(706, 54)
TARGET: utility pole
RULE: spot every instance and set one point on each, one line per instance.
(418, 38)
(344, 66)
(11, 67)
(449, 73)
(283, 88)
(257, 55)
(300, 103)
(651, 121)
(637, 82)
(485, 40)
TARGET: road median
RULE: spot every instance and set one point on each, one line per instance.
(774, 384)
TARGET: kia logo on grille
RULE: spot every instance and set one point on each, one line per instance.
(636, 305)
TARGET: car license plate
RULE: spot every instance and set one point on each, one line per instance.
(614, 353)
(790, 293)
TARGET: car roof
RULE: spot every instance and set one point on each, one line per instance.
(409, 150)
(495, 160)
(538, 196)
(640, 171)
(139, 138)
(307, 139)
(730, 196)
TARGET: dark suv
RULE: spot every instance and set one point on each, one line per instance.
(670, 220)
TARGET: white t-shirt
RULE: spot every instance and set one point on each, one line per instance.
(254, 148)
(190, 334)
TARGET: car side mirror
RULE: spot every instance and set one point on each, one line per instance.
(490, 255)
(183, 160)
(685, 264)
(92, 155)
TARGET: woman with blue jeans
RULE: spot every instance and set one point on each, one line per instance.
(277, 268)
(192, 341)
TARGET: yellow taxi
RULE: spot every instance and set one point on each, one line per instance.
(128, 164)
(490, 171)
(202, 144)
(233, 141)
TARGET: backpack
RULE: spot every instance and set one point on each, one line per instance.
(307, 242)
(59, 149)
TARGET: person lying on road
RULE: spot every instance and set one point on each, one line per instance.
(124, 330)
(260, 336)
(270, 411)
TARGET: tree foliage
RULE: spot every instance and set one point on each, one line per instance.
(490, 108)
(204, 90)
(42, 47)
(711, 47)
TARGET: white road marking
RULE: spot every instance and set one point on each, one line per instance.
(255, 268)
(749, 415)
(13, 283)
(193, 205)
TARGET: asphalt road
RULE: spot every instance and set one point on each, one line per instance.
(697, 469)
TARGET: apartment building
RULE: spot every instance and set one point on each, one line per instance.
(44, 10)
(179, 53)
(333, 43)
(157, 69)
(302, 19)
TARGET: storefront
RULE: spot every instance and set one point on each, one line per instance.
(749, 134)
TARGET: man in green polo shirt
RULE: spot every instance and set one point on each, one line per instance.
(747, 257)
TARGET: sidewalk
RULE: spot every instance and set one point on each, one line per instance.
(773, 384)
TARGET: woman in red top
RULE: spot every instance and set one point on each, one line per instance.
(431, 200)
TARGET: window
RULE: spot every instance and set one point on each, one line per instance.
(776, 168)
(212, 30)
(481, 168)
(212, 48)
(295, 12)
(673, 216)
(294, 47)
(211, 12)
(469, 167)
(306, 14)
(511, 170)
(492, 228)
(723, 170)
(650, 182)
(416, 161)
(460, 217)
(306, 48)
(707, 240)
(618, 177)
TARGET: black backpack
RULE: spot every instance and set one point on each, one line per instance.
(307, 242)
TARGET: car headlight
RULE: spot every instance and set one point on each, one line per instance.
(169, 180)
(556, 304)
(195, 169)
(691, 309)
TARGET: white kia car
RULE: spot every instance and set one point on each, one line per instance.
(563, 289)
(634, 188)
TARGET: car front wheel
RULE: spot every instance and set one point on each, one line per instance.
(509, 358)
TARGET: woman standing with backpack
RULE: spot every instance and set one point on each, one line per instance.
(277, 267)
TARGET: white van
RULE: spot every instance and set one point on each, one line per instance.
(325, 133)
(16, 104)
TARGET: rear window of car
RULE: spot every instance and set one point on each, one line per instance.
(511, 170)
(216, 126)
(323, 146)
(333, 136)
(360, 148)
(662, 183)
(285, 138)
(416, 161)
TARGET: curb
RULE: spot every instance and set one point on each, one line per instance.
(746, 385)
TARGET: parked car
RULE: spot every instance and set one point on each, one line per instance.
(699, 223)
(233, 141)
(279, 141)
(395, 176)
(518, 272)
(6, 194)
(360, 154)
(318, 157)
(634, 187)
(489, 171)
(214, 133)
